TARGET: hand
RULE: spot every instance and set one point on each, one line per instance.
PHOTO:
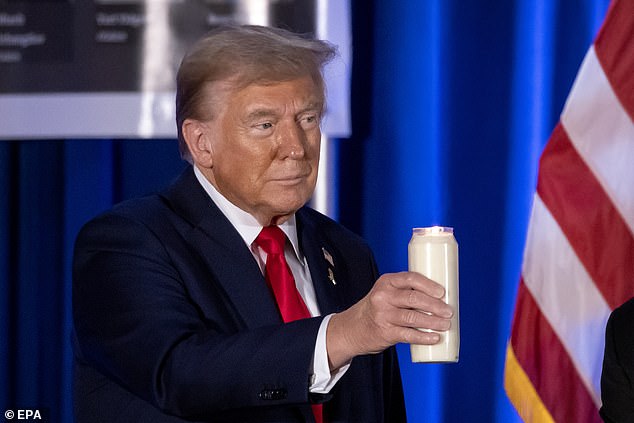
(397, 305)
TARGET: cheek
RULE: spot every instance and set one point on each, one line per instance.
(311, 149)
(243, 161)
(252, 174)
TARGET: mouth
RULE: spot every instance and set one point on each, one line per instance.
(293, 175)
(290, 179)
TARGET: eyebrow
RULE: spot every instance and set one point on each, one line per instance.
(313, 105)
(260, 113)
(264, 112)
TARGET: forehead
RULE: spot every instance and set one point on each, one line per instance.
(293, 95)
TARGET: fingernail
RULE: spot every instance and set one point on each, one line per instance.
(447, 312)
(440, 292)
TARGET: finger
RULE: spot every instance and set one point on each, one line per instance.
(412, 299)
(417, 337)
(407, 318)
(418, 282)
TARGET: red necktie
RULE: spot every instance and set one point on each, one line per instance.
(280, 279)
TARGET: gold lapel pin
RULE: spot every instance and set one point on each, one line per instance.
(328, 257)
(331, 276)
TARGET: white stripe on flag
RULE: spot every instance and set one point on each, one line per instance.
(603, 134)
(566, 295)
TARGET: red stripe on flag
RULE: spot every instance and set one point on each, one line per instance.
(614, 46)
(593, 226)
(548, 366)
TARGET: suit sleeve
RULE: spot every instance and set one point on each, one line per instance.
(393, 389)
(135, 322)
(393, 397)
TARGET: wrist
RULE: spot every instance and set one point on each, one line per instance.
(339, 346)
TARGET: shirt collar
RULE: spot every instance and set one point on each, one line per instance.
(247, 226)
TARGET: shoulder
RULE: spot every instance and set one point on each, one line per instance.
(623, 316)
(622, 319)
(134, 227)
(148, 212)
(617, 393)
(625, 310)
(619, 334)
(179, 205)
(349, 250)
(329, 229)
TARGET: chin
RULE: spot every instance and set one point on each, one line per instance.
(290, 206)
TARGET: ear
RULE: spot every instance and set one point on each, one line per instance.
(196, 135)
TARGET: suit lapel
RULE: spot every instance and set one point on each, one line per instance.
(322, 263)
(231, 265)
(224, 252)
(328, 274)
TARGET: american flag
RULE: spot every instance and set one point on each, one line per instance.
(579, 255)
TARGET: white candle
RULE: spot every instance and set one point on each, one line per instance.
(433, 252)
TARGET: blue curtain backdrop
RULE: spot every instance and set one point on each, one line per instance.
(452, 104)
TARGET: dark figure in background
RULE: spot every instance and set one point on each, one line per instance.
(173, 316)
(617, 378)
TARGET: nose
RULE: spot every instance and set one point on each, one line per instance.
(292, 141)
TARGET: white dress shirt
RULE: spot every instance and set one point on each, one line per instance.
(322, 380)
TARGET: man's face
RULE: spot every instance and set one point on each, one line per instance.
(264, 147)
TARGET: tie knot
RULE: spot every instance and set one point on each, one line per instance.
(271, 239)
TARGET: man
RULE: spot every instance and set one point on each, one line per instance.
(177, 307)
(617, 377)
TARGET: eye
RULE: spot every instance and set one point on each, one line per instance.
(264, 126)
(309, 121)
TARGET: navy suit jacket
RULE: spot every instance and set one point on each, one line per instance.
(174, 321)
(617, 377)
